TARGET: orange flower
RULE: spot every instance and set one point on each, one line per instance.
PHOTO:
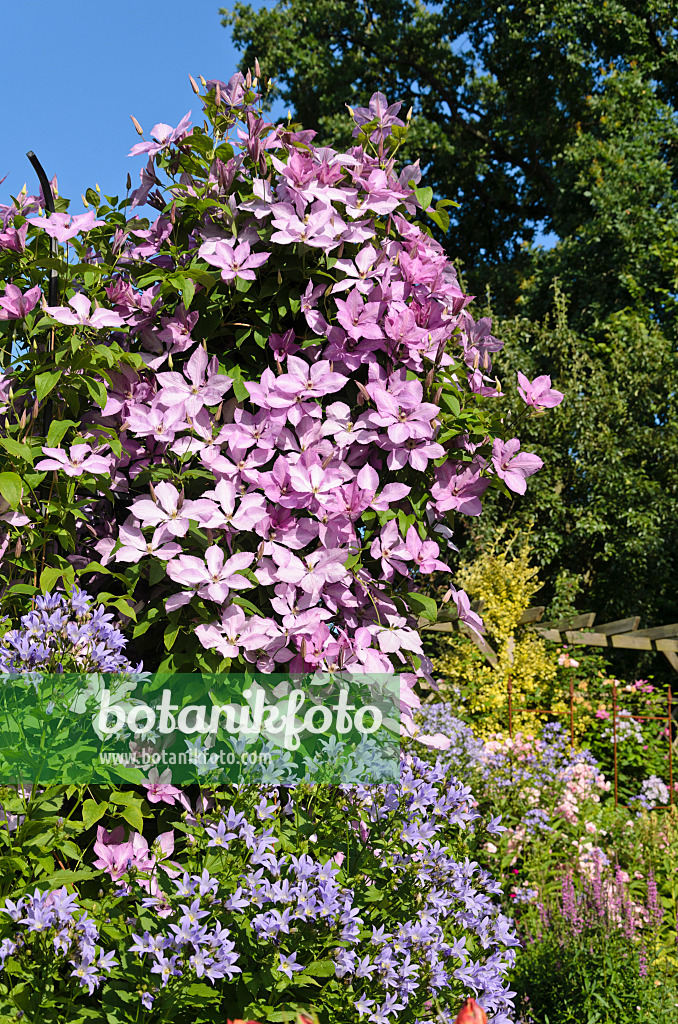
(471, 1013)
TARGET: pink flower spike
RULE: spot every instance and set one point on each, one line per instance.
(538, 393)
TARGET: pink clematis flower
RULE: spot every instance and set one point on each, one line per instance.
(539, 393)
(114, 857)
(159, 788)
(323, 566)
(459, 487)
(466, 615)
(304, 381)
(14, 304)
(513, 467)
(169, 507)
(79, 460)
(424, 553)
(359, 318)
(163, 135)
(224, 636)
(64, 227)
(135, 546)
(201, 385)
(233, 261)
(214, 577)
(393, 553)
(79, 313)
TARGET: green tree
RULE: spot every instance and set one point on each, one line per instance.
(557, 117)
(605, 506)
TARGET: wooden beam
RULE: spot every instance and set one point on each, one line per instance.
(574, 622)
(593, 639)
(659, 632)
(632, 642)
(532, 615)
(549, 634)
(620, 626)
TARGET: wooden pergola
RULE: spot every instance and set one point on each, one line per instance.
(577, 631)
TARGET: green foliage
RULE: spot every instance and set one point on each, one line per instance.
(604, 509)
(505, 582)
(595, 980)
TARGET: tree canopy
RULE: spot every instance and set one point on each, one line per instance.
(536, 118)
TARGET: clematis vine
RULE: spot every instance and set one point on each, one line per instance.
(268, 398)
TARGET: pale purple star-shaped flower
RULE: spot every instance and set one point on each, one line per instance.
(233, 260)
(200, 384)
(214, 577)
(512, 466)
(64, 227)
(170, 507)
(537, 393)
(163, 135)
(135, 546)
(79, 313)
(79, 459)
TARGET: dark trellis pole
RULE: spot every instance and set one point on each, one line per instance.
(53, 289)
(48, 196)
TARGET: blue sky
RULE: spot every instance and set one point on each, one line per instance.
(72, 72)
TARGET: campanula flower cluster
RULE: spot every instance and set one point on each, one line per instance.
(64, 633)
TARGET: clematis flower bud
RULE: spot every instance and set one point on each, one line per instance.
(471, 1013)
(140, 130)
(194, 85)
(257, 69)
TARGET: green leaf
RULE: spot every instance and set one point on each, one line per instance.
(187, 292)
(124, 605)
(424, 196)
(22, 588)
(97, 390)
(92, 812)
(441, 218)
(11, 488)
(171, 634)
(156, 571)
(17, 449)
(321, 969)
(57, 431)
(423, 605)
(44, 383)
(48, 578)
(133, 816)
(65, 877)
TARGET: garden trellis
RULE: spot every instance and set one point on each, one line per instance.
(576, 630)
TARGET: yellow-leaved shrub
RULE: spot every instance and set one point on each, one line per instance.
(503, 579)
